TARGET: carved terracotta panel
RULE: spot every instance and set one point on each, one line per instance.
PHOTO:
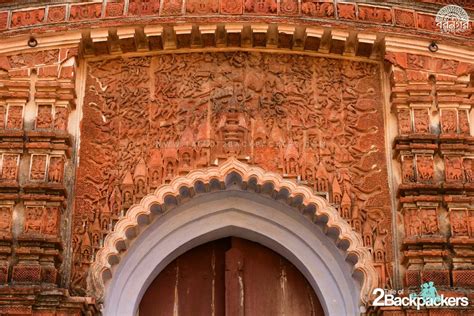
(468, 166)
(61, 114)
(143, 7)
(41, 221)
(317, 8)
(15, 117)
(315, 120)
(261, 6)
(5, 220)
(422, 121)
(56, 169)
(44, 117)
(421, 222)
(38, 167)
(460, 224)
(425, 168)
(202, 7)
(288, 7)
(454, 169)
(10, 167)
(449, 121)
(408, 169)
(3, 113)
(464, 127)
(404, 122)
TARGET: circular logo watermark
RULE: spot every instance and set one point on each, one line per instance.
(452, 19)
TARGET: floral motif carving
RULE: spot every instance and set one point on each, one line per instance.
(261, 6)
(289, 7)
(317, 8)
(172, 7)
(202, 7)
(164, 116)
(369, 13)
(10, 167)
(231, 6)
(85, 11)
(26, 18)
(56, 14)
(143, 7)
(346, 11)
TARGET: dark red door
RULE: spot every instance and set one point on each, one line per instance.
(232, 277)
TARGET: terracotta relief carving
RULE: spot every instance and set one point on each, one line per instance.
(404, 121)
(468, 166)
(460, 224)
(261, 6)
(10, 167)
(40, 220)
(5, 220)
(61, 114)
(3, 115)
(231, 6)
(464, 127)
(202, 7)
(55, 170)
(160, 117)
(408, 169)
(143, 7)
(33, 59)
(38, 167)
(453, 169)
(317, 8)
(172, 7)
(425, 168)
(449, 121)
(289, 7)
(15, 117)
(421, 222)
(422, 121)
(29, 17)
(44, 117)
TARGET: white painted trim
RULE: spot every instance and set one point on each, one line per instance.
(234, 213)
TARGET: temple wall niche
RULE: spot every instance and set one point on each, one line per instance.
(149, 119)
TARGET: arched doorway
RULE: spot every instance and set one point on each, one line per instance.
(230, 276)
(238, 200)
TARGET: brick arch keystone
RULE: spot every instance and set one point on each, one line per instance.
(230, 175)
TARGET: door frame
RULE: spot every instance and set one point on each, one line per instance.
(242, 214)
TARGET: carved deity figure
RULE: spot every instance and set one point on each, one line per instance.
(56, 166)
(10, 167)
(60, 118)
(404, 121)
(468, 164)
(44, 118)
(430, 221)
(459, 223)
(50, 221)
(15, 117)
(408, 170)
(33, 219)
(464, 127)
(412, 223)
(38, 167)
(5, 220)
(449, 121)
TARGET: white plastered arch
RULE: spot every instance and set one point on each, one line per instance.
(234, 211)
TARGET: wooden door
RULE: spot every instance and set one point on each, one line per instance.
(230, 277)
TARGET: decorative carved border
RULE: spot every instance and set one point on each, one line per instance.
(323, 209)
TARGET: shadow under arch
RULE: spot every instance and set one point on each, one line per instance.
(234, 199)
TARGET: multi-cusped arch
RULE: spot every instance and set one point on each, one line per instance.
(234, 198)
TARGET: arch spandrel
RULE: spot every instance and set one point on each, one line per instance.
(322, 209)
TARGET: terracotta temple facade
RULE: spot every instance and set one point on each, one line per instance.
(354, 115)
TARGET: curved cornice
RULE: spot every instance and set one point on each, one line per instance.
(196, 181)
